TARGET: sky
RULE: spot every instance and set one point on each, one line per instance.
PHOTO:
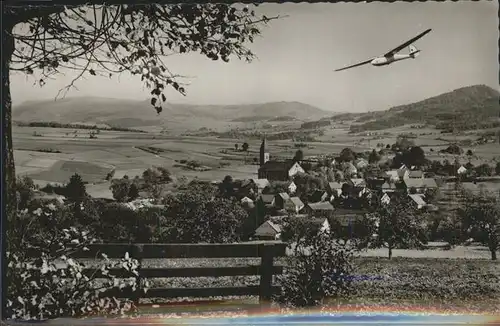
(297, 56)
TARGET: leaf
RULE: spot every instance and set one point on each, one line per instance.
(163, 98)
(92, 72)
(153, 101)
(158, 109)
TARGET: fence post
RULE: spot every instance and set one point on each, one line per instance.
(137, 253)
(266, 273)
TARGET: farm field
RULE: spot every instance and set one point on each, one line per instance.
(55, 155)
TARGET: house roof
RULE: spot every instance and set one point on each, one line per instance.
(392, 173)
(261, 183)
(321, 206)
(277, 166)
(418, 199)
(416, 174)
(420, 183)
(296, 201)
(387, 185)
(246, 200)
(335, 185)
(278, 220)
(274, 226)
(267, 198)
(358, 182)
(283, 195)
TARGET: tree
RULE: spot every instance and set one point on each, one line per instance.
(484, 170)
(124, 190)
(481, 217)
(227, 187)
(155, 179)
(299, 156)
(374, 157)
(199, 215)
(403, 144)
(358, 233)
(416, 156)
(330, 175)
(103, 40)
(133, 192)
(318, 272)
(236, 147)
(469, 153)
(347, 155)
(75, 189)
(399, 224)
(245, 146)
(25, 189)
(497, 168)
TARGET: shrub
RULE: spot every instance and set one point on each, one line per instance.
(320, 271)
(43, 282)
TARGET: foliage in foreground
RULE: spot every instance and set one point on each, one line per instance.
(318, 272)
(44, 282)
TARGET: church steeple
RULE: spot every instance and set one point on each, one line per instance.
(264, 155)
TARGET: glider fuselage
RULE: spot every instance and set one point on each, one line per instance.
(382, 61)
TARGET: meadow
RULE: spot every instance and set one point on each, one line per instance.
(468, 282)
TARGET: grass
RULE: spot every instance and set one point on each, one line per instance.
(399, 281)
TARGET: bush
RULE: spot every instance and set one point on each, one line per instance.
(319, 272)
(45, 283)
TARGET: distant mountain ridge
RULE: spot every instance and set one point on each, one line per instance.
(133, 113)
(471, 107)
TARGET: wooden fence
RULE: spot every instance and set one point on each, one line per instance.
(266, 250)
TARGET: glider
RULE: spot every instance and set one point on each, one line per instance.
(393, 56)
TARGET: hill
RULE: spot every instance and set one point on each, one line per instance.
(126, 113)
(466, 108)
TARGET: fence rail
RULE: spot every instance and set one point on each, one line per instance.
(266, 250)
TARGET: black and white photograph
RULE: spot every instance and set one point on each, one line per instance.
(166, 162)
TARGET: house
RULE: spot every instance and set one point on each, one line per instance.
(322, 223)
(418, 199)
(420, 184)
(335, 188)
(293, 205)
(396, 175)
(361, 163)
(272, 228)
(461, 170)
(292, 187)
(321, 208)
(269, 230)
(358, 182)
(279, 171)
(267, 199)
(247, 202)
(142, 203)
(385, 199)
(280, 199)
(318, 196)
(260, 184)
(392, 175)
(415, 174)
(346, 217)
(388, 187)
(48, 198)
(375, 183)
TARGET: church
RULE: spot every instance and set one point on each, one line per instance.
(276, 170)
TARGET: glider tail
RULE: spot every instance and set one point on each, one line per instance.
(414, 52)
